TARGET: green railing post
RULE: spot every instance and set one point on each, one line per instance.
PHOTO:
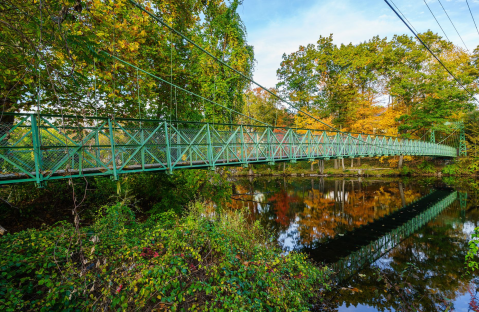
(269, 149)
(244, 159)
(37, 152)
(142, 141)
(168, 149)
(210, 146)
(113, 153)
(97, 148)
(178, 144)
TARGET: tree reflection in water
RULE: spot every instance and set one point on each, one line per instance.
(424, 272)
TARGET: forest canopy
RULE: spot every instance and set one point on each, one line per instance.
(384, 85)
(56, 56)
(60, 57)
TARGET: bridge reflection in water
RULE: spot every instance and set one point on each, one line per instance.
(365, 245)
(345, 224)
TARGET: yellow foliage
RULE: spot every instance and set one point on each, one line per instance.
(306, 122)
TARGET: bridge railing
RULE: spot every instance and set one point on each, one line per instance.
(47, 147)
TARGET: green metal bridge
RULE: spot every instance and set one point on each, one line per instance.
(40, 148)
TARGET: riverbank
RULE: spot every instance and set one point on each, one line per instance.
(360, 173)
(365, 168)
(202, 261)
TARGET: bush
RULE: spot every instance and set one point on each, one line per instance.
(168, 262)
(471, 256)
(405, 170)
(451, 169)
(426, 167)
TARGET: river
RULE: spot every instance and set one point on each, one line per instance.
(394, 245)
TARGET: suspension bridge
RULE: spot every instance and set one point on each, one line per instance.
(41, 148)
(38, 147)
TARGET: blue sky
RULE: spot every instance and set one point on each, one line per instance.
(281, 26)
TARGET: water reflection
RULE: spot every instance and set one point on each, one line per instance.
(395, 245)
(304, 211)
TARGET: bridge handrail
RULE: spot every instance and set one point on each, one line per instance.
(200, 123)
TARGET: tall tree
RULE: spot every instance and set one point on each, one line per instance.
(380, 85)
(58, 54)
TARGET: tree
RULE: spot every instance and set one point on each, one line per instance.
(262, 106)
(58, 54)
(350, 83)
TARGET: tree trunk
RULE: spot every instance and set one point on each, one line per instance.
(336, 164)
(342, 164)
(401, 192)
(352, 162)
(359, 162)
(284, 167)
(250, 170)
(401, 157)
(312, 166)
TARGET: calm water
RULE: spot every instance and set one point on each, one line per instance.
(390, 242)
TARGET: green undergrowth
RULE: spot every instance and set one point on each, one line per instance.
(25, 206)
(194, 262)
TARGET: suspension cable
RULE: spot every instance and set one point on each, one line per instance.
(159, 20)
(180, 88)
(432, 53)
(472, 17)
(453, 24)
(448, 136)
(436, 20)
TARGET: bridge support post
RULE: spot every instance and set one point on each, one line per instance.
(37, 152)
(113, 153)
(168, 149)
(142, 138)
(210, 147)
(244, 159)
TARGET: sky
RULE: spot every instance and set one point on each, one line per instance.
(276, 27)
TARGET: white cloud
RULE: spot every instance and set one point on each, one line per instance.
(286, 35)
(349, 21)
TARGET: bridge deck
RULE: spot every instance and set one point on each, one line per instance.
(40, 148)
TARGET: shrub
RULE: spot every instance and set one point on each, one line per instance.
(426, 167)
(471, 256)
(194, 262)
(405, 170)
(451, 169)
